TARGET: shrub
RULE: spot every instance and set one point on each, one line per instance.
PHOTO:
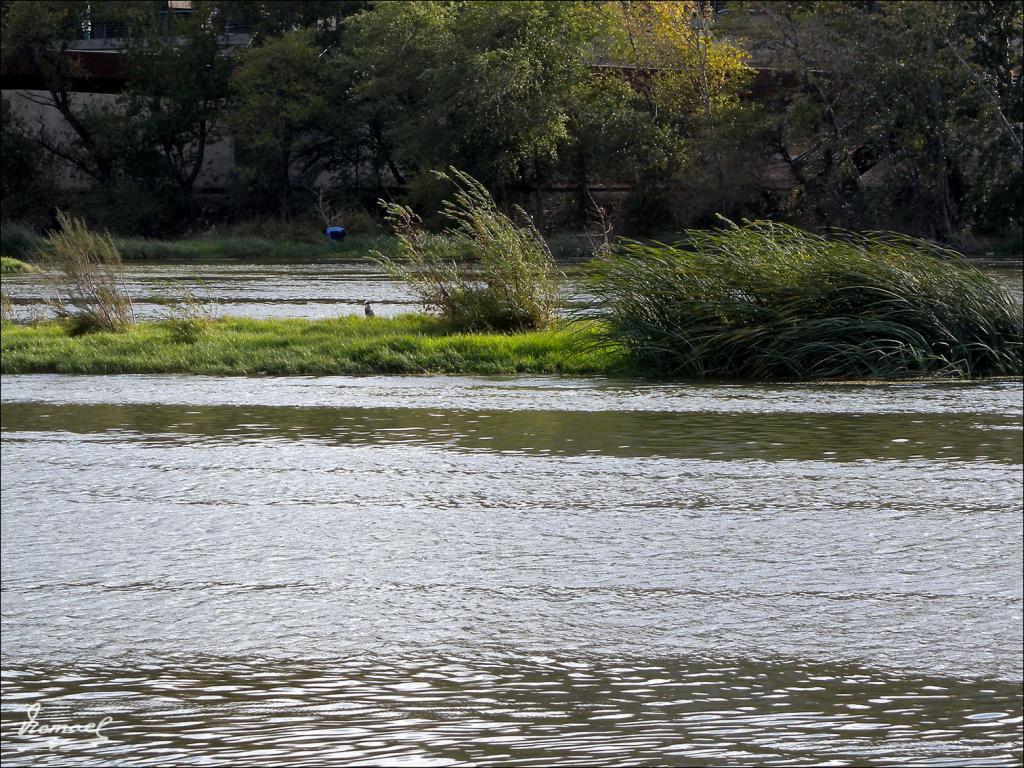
(19, 241)
(188, 316)
(87, 278)
(359, 222)
(769, 301)
(484, 271)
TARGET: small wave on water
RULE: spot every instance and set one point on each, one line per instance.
(477, 710)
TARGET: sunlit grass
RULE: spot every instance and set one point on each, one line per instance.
(11, 266)
(347, 345)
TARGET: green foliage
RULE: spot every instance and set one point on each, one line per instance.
(280, 113)
(143, 150)
(480, 85)
(189, 318)
(768, 301)
(87, 282)
(176, 95)
(912, 111)
(509, 91)
(905, 115)
(484, 271)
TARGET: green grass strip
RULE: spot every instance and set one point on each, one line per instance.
(407, 344)
(11, 266)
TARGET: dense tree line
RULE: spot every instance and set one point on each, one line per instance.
(895, 114)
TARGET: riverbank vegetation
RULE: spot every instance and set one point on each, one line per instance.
(346, 345)
(86, 279)
(484, 272)
(290, 244)
(768, 301)
(761, 301)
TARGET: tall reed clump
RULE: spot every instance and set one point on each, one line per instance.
(485, 271)
(86, 278)
(772, 302)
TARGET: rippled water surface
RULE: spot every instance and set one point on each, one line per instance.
(315, 290)
(294, 289)
(435, 571)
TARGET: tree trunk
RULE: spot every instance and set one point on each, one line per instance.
(189, 182)
(705, 85)
(945, 224)
(538, 217)
(582, 186)
(285, 182)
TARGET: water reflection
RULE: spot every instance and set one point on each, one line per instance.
(472, 710)
(769, 436)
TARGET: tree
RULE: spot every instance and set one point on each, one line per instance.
(481, 85)
(925, 95)
(280, 114)
(25, 171)
(519, 92)
(177, 91)
(692, 84)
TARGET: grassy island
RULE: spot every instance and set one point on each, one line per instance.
(760, 301)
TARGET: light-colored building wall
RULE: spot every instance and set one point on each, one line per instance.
(30, 107)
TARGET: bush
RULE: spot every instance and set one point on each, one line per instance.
(485, 271)
(187, 315)
(187, 327)
(769, 301)
(88, 280)
(18, 241)
(358, 222)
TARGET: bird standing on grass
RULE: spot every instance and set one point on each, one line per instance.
(367, 309)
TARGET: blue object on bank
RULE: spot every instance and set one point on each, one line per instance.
(335, 233)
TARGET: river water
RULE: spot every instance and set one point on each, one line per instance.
(317, 289)
(451, 571)
(251, 289)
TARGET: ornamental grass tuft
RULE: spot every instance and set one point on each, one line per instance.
(485, 272)
(769, 301)
(86, 279)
